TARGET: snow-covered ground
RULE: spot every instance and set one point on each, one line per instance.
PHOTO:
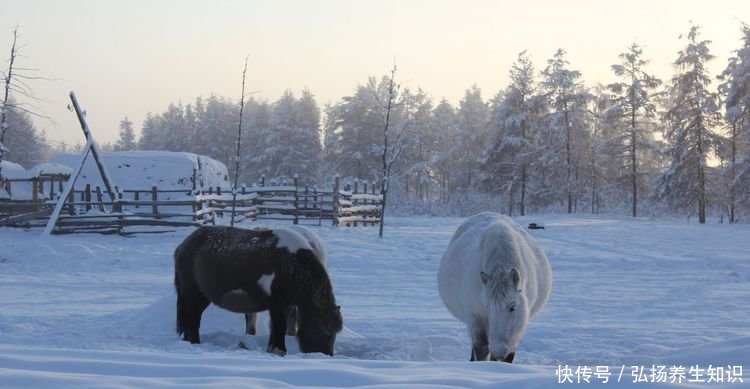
(91, 311)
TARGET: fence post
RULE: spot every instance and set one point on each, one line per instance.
(87, 197)
(197, 207)
(307, 192)
(354, 202)
(194, 178)
(335, 205)
(118, 206)
(376, 203)
(218, 193)
(137, 198)
(71, 200)
(154, 206)
(99, 199)
(263, 180)
(35, 193)
(296, 200)
(365, 201)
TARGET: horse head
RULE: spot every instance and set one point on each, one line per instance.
(320, 322)
(508, 308)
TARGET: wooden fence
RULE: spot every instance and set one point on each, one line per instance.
(153, 209)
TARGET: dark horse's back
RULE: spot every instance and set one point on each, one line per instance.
(222, 260)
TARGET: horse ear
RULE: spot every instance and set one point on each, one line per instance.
(484, 277)
(516, 277)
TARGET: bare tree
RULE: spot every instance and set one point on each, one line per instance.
(4, 107)
(391, 151)
(16, 82)
(239, 142)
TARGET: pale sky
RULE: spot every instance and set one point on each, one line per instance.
(131, 57)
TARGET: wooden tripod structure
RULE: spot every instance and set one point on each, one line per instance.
(89, 148)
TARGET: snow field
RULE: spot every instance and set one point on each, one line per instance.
(98, 311)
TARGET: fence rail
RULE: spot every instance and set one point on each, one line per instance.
(87, 211)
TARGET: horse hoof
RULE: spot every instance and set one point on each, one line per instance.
(276, 351)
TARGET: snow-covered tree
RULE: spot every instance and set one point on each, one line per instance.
(419, 143)
(693, 113)
(291, 141)
(565, 134)
(359, 136)
(216, 135)
(256, 121)
(473, 120)
(126, 136)
(735, 92)
(634, 107)
(444, 126)
(515, 115)
(151, 137)
(308, 137)
(24, 144)
(331, 149)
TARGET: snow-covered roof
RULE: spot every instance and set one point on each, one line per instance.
(12, 170)
(49, 168)
(144, 169)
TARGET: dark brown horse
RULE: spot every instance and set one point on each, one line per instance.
(248, 271)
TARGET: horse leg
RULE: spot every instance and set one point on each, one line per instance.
(480, 349)
(251, 320)
(291, 321)
(276, 342)
(190, 307)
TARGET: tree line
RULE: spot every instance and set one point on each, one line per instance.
(546, 142)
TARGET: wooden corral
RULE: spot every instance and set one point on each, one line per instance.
(153, 209)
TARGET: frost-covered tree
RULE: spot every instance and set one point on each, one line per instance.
(565, 132)
(419, 143)
(151, 137)
(308, 137)
(216, 135)
(126, 136)
(693, 113)
(359, 136)
(473, 120)
(291, 141)
(331, 149)
(444, 125)
(256, 121)
(25, 144)
(175, 129)
(634, 106)
(735, 93)
(515, 115)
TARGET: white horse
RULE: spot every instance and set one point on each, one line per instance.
(494, 277)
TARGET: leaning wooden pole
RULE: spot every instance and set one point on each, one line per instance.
(99, 164)
(239, 143)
